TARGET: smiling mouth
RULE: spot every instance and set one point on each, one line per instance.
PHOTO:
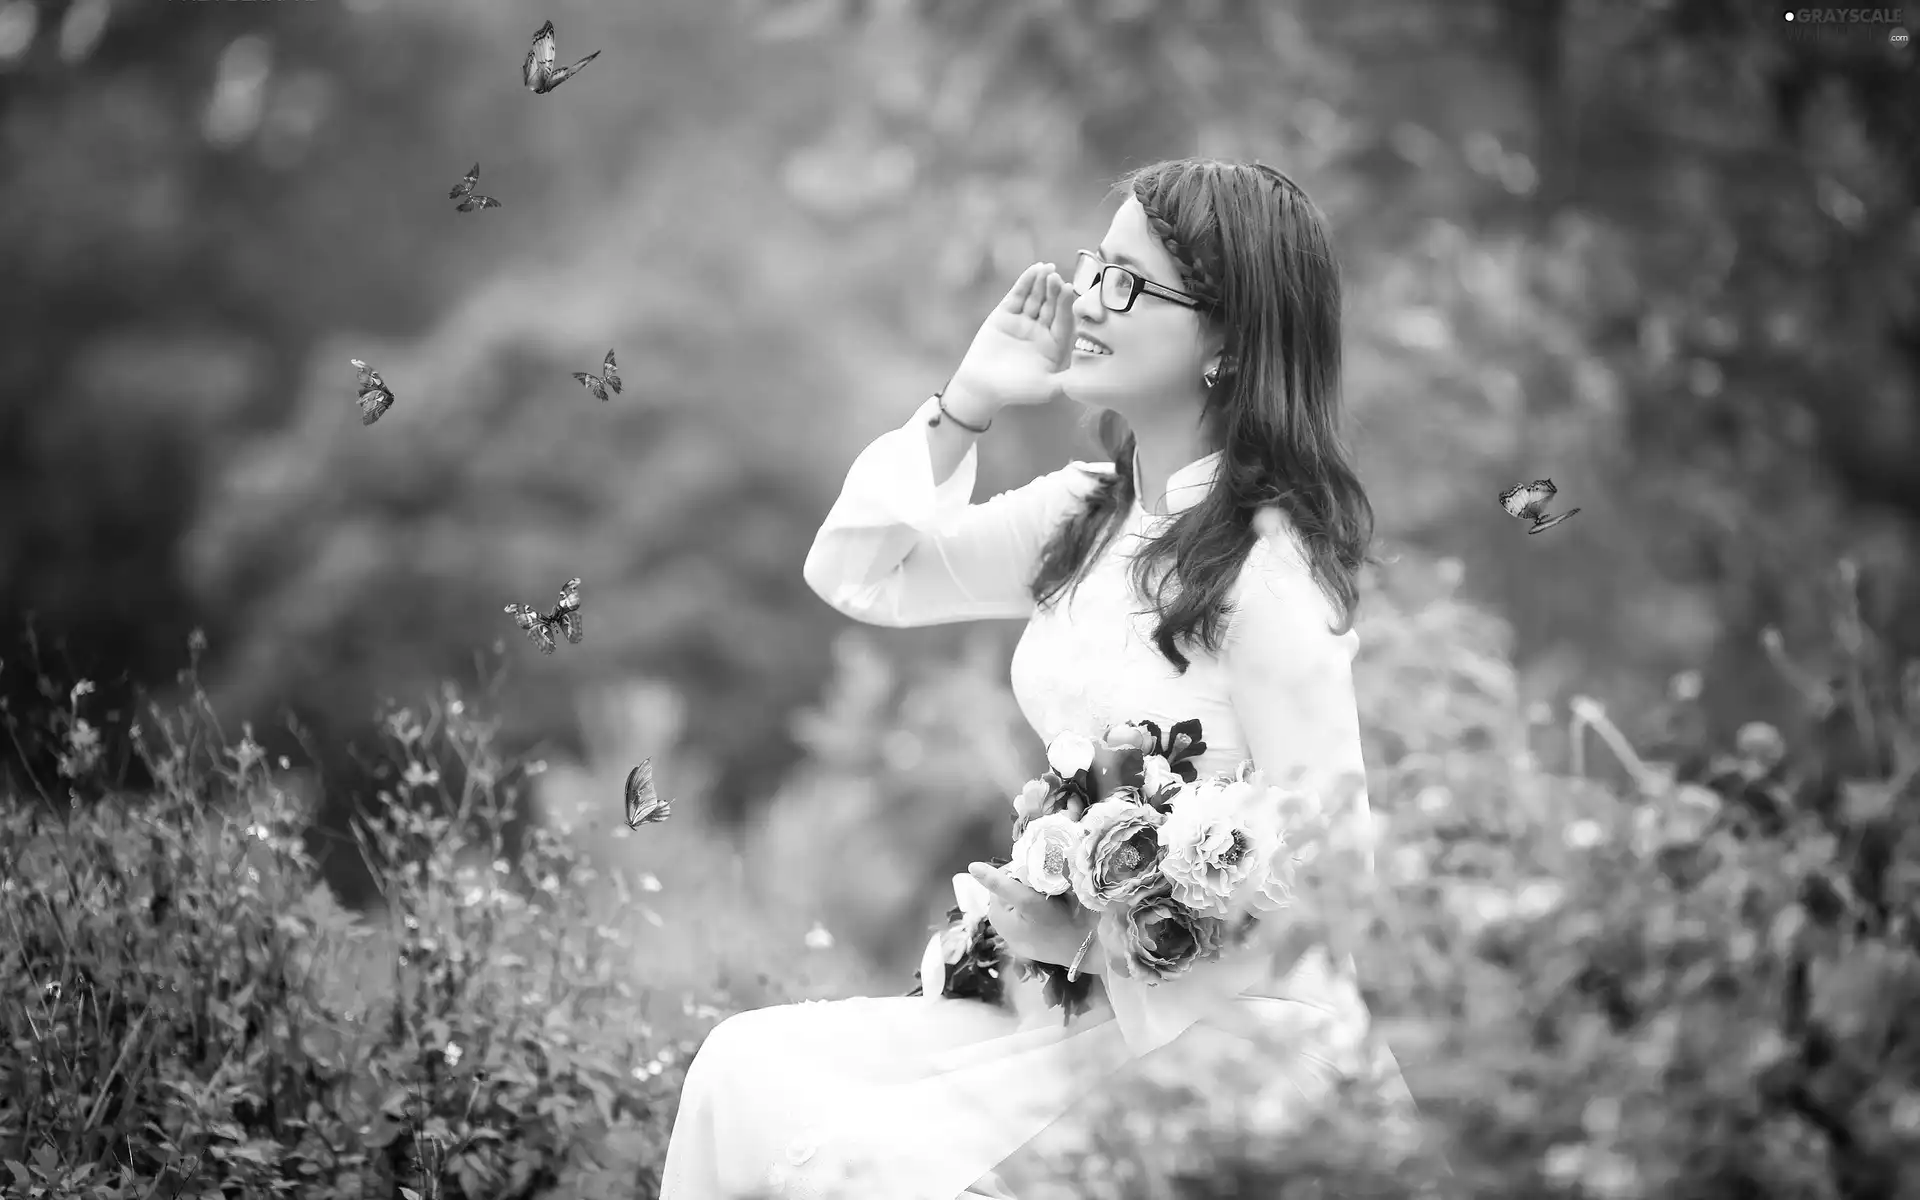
(1086, 345)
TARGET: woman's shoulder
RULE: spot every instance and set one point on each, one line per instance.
(1277, 583)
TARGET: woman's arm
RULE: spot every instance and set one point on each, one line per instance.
(904, 546)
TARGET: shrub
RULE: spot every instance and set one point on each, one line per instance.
(1702, 985)
(190, 1009)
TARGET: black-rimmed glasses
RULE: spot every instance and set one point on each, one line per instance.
(1120, 287)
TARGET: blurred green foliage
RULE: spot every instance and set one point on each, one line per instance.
(1661, 252)
(1704, 984)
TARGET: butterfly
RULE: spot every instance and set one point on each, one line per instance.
(565, 617)
(1529, 503)
(539, 72)
(644, 805)
(470, 199)
(375, 396)
(609, 377)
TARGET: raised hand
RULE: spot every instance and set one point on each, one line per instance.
(1021, 349)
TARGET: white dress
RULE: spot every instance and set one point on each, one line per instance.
(925, 1098)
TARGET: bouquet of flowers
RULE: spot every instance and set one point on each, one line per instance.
(1178, 869)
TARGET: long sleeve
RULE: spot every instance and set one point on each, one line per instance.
(1290, 681)
(898, 550)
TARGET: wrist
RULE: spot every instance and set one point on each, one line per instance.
(967, 404)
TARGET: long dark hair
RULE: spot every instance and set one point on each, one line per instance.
(1254, 248)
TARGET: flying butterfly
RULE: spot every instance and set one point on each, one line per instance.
(469, 199)
(375, 396)
(565, 617)
(540, 74)
(609, 378)
(1528, 501)
(644, 805)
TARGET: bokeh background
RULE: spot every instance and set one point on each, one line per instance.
(1665, 253)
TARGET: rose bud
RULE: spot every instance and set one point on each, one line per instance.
(1030, 801)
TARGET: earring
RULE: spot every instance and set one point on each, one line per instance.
(1211, 376)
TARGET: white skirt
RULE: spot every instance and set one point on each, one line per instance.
(926, 1098)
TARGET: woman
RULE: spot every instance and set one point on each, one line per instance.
(1207, 571)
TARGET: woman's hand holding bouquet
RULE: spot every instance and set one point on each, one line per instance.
(1120, 844)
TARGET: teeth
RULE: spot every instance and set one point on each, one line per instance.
(1083, 344)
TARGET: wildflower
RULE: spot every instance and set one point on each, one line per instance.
(451, 1054)
(818, 938)
(649, 882)
(417, 775)
(83, 688)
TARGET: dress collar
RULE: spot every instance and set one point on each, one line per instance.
(1185, 487)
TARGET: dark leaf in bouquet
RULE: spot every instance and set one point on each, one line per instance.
(1071, 998)
(1183, 745)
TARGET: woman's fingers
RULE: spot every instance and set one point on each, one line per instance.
(1021, 291)
(1037, 293)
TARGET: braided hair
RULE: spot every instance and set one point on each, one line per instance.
(1253, 249)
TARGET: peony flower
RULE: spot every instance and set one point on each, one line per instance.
(1070, 753)
(1129, 735)
(1031, 799)
(1225, 850)
(1043, 854)
(1118, 854)
(1157, 776)
(1159, 936)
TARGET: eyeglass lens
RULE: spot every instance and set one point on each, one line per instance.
(1116, 283)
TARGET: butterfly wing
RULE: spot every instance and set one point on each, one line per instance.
(539, 58)
(472, 203)
(375, 396)
(535, 626)
(567, 614)
(591, 383)
(1513, 500)
(644, 805)
(1541, 526)
(565, 73)
(611, 371)
(465, 186)
(374, 404)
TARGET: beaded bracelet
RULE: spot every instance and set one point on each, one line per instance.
(1073, 972)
